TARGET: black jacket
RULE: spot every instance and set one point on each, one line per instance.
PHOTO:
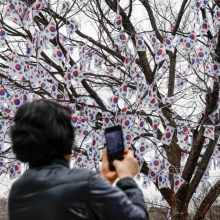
(55, 192)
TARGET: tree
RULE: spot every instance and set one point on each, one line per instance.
(213, 212)
(4, 209)
(152, 66)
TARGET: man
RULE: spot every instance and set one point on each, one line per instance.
(43, 137)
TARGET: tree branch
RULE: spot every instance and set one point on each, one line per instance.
(208, 201)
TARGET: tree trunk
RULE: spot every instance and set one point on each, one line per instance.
(179, 210)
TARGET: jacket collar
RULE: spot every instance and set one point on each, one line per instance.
(60, 162)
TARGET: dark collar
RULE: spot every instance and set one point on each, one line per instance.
(62, 162)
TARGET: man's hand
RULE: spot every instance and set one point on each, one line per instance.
(111, 176)
(128, 167)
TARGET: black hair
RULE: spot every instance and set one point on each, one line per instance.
(42, 132)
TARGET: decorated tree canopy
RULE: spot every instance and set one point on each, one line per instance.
(151, 66)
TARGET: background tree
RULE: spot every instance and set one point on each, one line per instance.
(152, 66)
(213, 212)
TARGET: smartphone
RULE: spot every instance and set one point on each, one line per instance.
(115, 144)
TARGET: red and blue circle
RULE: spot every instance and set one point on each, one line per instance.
(192, 36)
(185, 129)
(115, 100)
(188, 45)
(117, 120)
(59, 53)
(141, 124)
(186, 138)
(106, 120)
(110, 70)
(160, 179)
(93, 142)
(18, 67)
(118, 22)
(154, 40)
(125, 88)
(168, 41)
(201, 54)
(127, 122)
(7, 110)
(215, 67)
(64, 6)
(91, 116)
(11, 171)
(204, 26)
(52, 29)
(74, 119)
(53, 88)
(122, 37)
(71, 49)
(43, 85)
(33, 40)
(37, 6)
(152, 174)
(217, 14)
(83, 120)
(90, 55)
(140, 42)
(17, 102)
(12, 6)
(68, 76)
(79, 159)
(2, 33)
(198, 5)
(2, 92)
(128, 137)
(28, 50)
(142, 148)
(181, 40)
(25, 97)
(90, 149)
(124, 110)
(177, 183)
(159, 52)
(75, 73)
(17, 168)
(72, 26)
(153, 101)
(156, 163)
(168, 135)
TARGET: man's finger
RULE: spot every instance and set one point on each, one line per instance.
(104, 156)
(115, 162)
(129, 154)
(126, 151)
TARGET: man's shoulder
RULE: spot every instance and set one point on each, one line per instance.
(80, 172)
(71, 179)
(62, 175)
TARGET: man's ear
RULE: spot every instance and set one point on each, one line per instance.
(68, 157)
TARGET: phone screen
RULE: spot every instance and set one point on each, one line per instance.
(115, 145)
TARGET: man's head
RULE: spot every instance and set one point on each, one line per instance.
(42, 132)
